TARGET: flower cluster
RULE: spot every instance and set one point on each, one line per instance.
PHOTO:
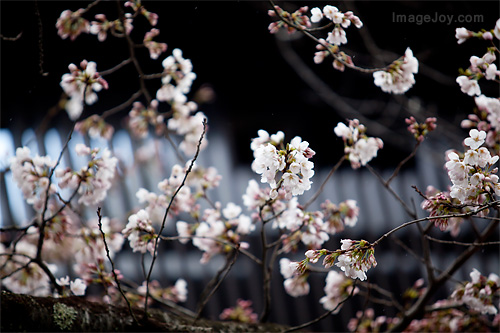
(479, 68)
(140, 232)
(93, 180)
(217, 230)
(337, 289)
(479, 293)
(295, 284)
(336, 217)
(176, 83)
(137, 7)
(340, 20)
(357, 258)
(447, 317)
(242, 312)
(141, 117)
(298, 19)
(80, 85)
(365, 322)
(358, 147)
(325, 49)
(77, 286)
(474, 174)
(398, 77)
(441, 203)
(21, 276)
(96, 127)
(103, 25)
(155, 48)
(32, 176)
(72, 24)
(176, 293)
(486, 118)
(292, 161)
(418, 130)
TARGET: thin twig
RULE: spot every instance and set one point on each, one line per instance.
(460, 243)
(11, 39)
(391, 191)
(99, 222)
(322, 187)
(208, 293)
(115, 68)
(155, 252)
(403, 162)
(428, 218)
(122, 106)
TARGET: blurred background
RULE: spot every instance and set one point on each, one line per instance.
(259, 81)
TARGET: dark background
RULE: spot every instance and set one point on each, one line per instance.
(232, 51)
(257, 86)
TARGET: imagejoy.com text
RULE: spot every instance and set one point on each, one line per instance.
(448, 19)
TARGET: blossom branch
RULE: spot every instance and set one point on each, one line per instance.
(419, 306)
(131, 50)
(155, 252)
(428, 218)
(307, 33)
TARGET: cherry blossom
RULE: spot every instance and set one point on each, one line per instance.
(242, 312)
(177, 70)
(29, 280)
(462, 35)
(31, 175)
(420, 131)
(94, 179)
(473, 175)
(141, 117)
(476, 139)
(140, 232)
(80, 83)
(356, 259)
(439, 204)
(155, 48)
(479, 294)
(72, 24)
(293, 162)
(337, 289)
(358, 147)
(139, 8)
(496, 30)
(295, 285)
(297, 18)
(77, 286)
(336, 217)
(398, 78)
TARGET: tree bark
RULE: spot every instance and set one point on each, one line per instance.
(47, 314)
